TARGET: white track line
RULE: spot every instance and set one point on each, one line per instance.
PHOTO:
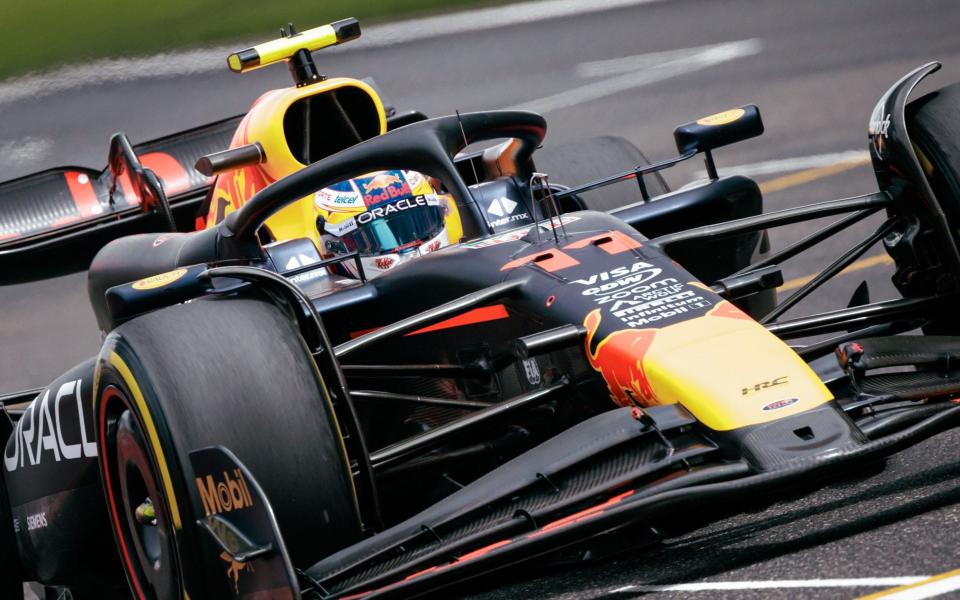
(192, 62)
(642, 69)
(714, 586)
(798, 163)
(937, 586)
(24, 151)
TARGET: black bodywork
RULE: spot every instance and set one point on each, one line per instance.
(554, 465)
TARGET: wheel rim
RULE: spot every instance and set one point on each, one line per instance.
(147, 544)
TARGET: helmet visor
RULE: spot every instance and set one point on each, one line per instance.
(405, 224)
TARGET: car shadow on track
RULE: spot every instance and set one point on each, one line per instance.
(722, 540)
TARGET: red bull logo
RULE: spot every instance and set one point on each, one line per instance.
(381, 181)
(384, 187)
(619, 359)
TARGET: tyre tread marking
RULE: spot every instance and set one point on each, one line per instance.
(128, 378)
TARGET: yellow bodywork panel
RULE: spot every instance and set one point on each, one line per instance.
(730, 373)
(264, 124)
(723, 367)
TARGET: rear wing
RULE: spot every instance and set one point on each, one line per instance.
(64, 215)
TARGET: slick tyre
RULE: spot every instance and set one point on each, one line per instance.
(580, 162)
(933, 122)
(232, 372)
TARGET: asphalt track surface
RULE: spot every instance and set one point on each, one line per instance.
(814, 68)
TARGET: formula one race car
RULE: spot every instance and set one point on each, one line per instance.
(285, 406)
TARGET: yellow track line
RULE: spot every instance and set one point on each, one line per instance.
(863, 263)
(801, 177)
(806, 176)
(928, 588)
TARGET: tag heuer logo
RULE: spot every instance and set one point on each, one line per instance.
(501, 207)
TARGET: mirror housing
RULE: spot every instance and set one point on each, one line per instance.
(721, 129)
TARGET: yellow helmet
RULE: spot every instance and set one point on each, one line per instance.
(387, 217)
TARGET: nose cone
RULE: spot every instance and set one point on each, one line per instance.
(723, 367)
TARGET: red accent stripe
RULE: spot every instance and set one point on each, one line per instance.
(84, 196)
(113, 507)
(481, 551)
(355, 334)
(129, 194)
(172, 175)
(553, 260)
(583, 515)
(576, 517)
(613, 242)
(471, 317)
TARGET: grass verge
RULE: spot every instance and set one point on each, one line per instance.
(40, 34)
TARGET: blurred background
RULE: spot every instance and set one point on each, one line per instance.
(73, 73)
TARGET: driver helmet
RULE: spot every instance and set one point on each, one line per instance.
(387, 217)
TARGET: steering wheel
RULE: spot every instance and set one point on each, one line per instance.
(426, 146)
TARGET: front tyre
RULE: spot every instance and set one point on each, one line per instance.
(231, 372)
(933, 122)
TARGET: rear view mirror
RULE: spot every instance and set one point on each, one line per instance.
(727, 127)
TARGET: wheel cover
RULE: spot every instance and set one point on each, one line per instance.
(148, 549)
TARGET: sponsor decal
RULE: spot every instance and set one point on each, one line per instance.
(532, 370)
(633, 294)
(383, 187)
(382, 211)
(413, 178)
(619, 359)
(722, 118)
(337, 196)
(234, 569)
(384, 262)
(619, 278)
(652, 306)
(781, 403)
(299, 260)
(342, 199)
(158, 281)
(160, 239)
(339, 229)
(764, 385)
(309, 276)
(380, 181)
(433, 246)
(37, 521)
(503, 209)
(39, 435)
(226, 495)
(879, 126)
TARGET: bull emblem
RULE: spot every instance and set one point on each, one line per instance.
(233, 571)
(381, 181)
(619, 359)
